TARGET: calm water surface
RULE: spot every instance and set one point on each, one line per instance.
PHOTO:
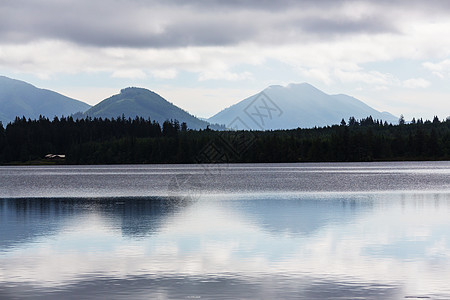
(265, 231)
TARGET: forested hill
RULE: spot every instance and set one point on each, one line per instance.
(96, 141)
(144, 103)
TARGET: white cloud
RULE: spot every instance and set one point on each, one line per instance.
(381, 88)
(129, 73)
(322, 75)
(368, 77)
(165, 73)
(414, 83)
(224, 75)
(440, 69)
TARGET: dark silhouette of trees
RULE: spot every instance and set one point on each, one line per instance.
(352, 121)
(120, 140)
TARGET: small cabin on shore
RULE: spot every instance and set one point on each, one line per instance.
(55, 156)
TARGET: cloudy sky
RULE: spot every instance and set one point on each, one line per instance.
(205, 55)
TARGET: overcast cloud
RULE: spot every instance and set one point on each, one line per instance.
(174, 23)
(343, 45)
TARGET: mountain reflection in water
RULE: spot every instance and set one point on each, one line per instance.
(311, 247)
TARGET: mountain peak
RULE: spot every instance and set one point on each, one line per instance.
(304, 86)
(291, 85)
(292, 106)
(134, 90)
(301, 84)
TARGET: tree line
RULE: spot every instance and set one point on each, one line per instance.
(121, 140)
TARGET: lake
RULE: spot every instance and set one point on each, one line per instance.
(247, 231)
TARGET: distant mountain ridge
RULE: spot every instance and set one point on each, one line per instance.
(133, 101)
(18, 98)
(296, 105)
(276, 107)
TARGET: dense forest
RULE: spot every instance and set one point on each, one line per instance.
(105, 141)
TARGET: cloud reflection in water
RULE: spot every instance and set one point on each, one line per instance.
(386, 245)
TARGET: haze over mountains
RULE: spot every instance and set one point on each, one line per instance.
(18, 98)
(276, 107)
(293, 106)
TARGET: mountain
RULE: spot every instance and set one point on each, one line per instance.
(293, 106)
(18, 98)
(132, 102)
